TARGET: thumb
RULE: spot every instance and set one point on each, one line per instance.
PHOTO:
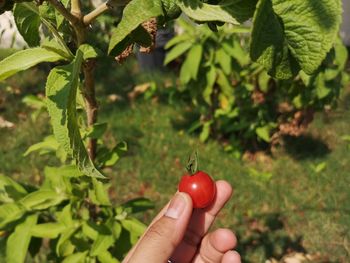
(162, 237)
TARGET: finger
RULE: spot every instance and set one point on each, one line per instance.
(231, 257)
(200, 222)
(160, 214)
(214, 246)
(161, 239)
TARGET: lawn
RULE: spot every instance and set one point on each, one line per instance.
(295, 200)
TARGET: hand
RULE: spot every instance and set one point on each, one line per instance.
(180, 233)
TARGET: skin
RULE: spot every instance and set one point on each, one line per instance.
(183, 235)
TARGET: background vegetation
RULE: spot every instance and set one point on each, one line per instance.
(294, 200)
(266, 104)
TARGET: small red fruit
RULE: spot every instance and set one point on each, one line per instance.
(200, 187)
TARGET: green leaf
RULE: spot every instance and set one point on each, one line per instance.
(89, 51)
(319, 167)
(57, 47)
(10, 190)
(138, 205)
(49, 144)
(135, 228)
(226, 97)
(64, 171)
(263, 80)
(205, 131)
(61, 91)
(99, 193)
(106, 257)
(10, 212)
(224, 61)
(210, 81)
(241, 10)
(25, 59)
(58, 178)
(18, 242)
(228, 11)
(288, 35)
(235, 50)
(34, 102)
(27, 22)
(47, 230)
(97, 130)
(190, 67)
(110, 158)
(63, 247)
(203, 12)
(78, 257)
(345, 138)
(264, 133)
(341, 54)
(177, 51)
(310, 29)
(102, 243)
(42, 199)
(322, 90)
(135, 13)
(260, 176)
(59, 17)
(65, 216)
(47, 12)
(177, 40)
(268, 44)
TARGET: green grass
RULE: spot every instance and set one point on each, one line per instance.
(297, 209)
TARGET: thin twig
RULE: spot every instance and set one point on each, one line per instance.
(76, 9)
(95, 13)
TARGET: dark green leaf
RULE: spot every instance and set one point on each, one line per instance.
(268, 44)
(28, 22)
(138, 205)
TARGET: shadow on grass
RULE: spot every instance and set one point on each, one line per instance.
(305, 147)
(131, 134)
(267, 237)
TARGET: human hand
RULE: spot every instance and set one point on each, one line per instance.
(180, 234)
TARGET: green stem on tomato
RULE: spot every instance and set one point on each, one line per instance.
(192, 164)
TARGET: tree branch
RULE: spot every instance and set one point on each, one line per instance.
(64, 12)
(91, 102)
(76, 9)
(95, 13)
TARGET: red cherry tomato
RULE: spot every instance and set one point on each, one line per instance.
(200, 187)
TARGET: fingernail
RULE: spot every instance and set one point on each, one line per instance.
(176, 206)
